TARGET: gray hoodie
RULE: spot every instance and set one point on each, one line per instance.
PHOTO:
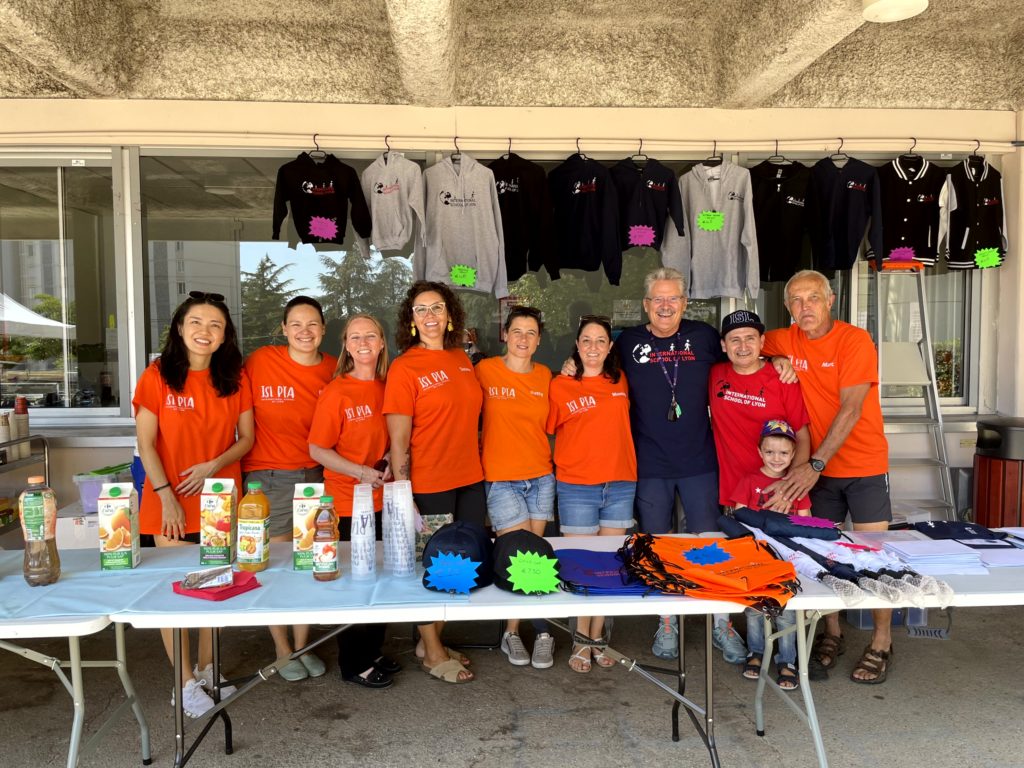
(393, 188)
(718, 255)
(464, 245)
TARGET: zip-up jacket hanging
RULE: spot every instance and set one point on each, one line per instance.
(841, 203)
(393, 187)
(586, 215)
(910, 191)
(975, 219)
(780, 197)
(319, 195)
(464, 245)
(648, 196)
(525, 216)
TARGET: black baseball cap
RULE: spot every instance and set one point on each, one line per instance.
(741, 318)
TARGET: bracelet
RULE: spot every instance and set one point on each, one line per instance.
(161, 487)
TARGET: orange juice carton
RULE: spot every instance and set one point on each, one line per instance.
(305, 503)
(217, 505)
(118, 515)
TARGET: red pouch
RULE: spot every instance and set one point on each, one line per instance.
(243, 582)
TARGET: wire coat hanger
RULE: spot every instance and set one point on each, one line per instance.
(640, 159)
(578, 150)
(910, 154)
(715, 159)
(509, 153)
(387, 151)
(778, 159)
(317, 155)
(974, 158)
(457, 154)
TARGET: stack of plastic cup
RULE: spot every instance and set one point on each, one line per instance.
(399, 529)
(364, 533)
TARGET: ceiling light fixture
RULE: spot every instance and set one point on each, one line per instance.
(883, 11)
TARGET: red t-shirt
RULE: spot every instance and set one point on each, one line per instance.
(749, 492)
(740, 405)
(284, 397)
(590, 421)
(843, 357)
(438, 389)
(515, 445)
(349, 418)
(194, 425)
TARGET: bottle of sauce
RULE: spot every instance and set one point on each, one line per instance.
(325, 542)
(37, 507)
(19, 427)
(253, 529)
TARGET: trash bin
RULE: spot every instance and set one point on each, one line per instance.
(999, 472)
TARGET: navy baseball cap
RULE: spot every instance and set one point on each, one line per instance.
(778, 428)
(741, 318)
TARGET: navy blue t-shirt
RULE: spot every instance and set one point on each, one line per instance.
(664, 448)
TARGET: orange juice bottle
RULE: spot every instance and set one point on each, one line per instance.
(253, 529)
(325, 542)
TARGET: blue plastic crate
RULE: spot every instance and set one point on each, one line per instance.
(901, 617)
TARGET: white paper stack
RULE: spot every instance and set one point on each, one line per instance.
(938, 557)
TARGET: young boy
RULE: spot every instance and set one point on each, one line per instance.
(777, 448)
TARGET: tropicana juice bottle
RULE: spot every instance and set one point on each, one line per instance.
(37, 506)
(253, 529)
(325, 542)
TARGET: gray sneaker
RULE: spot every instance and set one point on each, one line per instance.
(512, 646)
(666, 639)
(728, 641)
(543, 651)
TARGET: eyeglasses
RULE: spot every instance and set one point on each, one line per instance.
(436, 309)
(533, 312)
(659, 301)
(203, 296)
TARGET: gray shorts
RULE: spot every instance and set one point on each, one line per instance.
(279, 487)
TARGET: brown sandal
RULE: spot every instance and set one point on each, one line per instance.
(875, 663)
(827, 648)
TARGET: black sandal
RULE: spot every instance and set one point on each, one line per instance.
(786, 677)
(828, 647)
(874, 662)
(751, 669)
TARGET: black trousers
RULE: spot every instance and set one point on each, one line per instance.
(360, 645)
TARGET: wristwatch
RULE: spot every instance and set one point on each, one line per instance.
(817, 465)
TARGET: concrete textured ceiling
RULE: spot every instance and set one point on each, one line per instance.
(573, 53)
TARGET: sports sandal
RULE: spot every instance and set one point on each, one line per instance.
(751, 669)
(448, 671)
(452, 654)
(583, 664)
(824, 652)
(786, 677)
(600, 658)
(875, 663)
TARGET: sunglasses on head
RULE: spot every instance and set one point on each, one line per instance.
(203, 296)
(600, 319)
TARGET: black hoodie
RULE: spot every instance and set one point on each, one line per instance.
(319, 195)
(586, 217)
(525, 205)
(648, 194)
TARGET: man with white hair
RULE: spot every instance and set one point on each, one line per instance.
(847, 472)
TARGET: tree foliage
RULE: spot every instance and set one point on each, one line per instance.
(264, 294)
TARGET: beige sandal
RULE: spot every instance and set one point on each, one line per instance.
(448, 671)
(583, 663)
(600, 658)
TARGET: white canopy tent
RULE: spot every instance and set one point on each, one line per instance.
(18, 320)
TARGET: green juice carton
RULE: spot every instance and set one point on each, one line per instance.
(305, 503)
(118, 514)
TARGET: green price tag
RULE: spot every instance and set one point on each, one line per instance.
(463, 275)
(711, 221)
(532, 574)
(986, 257)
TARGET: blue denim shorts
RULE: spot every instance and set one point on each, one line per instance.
(511, 502)
(588, 508)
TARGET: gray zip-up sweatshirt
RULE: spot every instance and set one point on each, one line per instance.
(464, 245)
(393, 188)
(718, 255)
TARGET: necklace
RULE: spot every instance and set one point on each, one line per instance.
(674, 411)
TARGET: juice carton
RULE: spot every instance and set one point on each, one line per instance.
(118, 515)
(217, 505)
(305, 503)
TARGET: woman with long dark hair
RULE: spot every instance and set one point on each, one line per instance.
(432, 405)
(193, 420)
(595, 464)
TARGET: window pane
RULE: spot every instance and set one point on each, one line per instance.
(58, 322)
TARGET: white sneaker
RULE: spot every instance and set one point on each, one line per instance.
(195, 701)
(512, 646)
(543, 651)
(205, 678)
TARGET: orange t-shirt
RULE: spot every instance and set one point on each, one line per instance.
(349, 418)
(438, 389)
(516, 446)
(590, 421)
(195, 425)
(843, 357)
(284, 397)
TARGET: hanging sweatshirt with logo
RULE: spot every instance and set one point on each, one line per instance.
(464, 245)
(841, 204)
(393, 187)
(718, 257)
(586, 217)
(780, 197)
(974, 216)
(319, 195)
(648, 196)
(911, 191)
(525, 216)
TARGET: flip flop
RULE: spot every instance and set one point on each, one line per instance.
(448, 671)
